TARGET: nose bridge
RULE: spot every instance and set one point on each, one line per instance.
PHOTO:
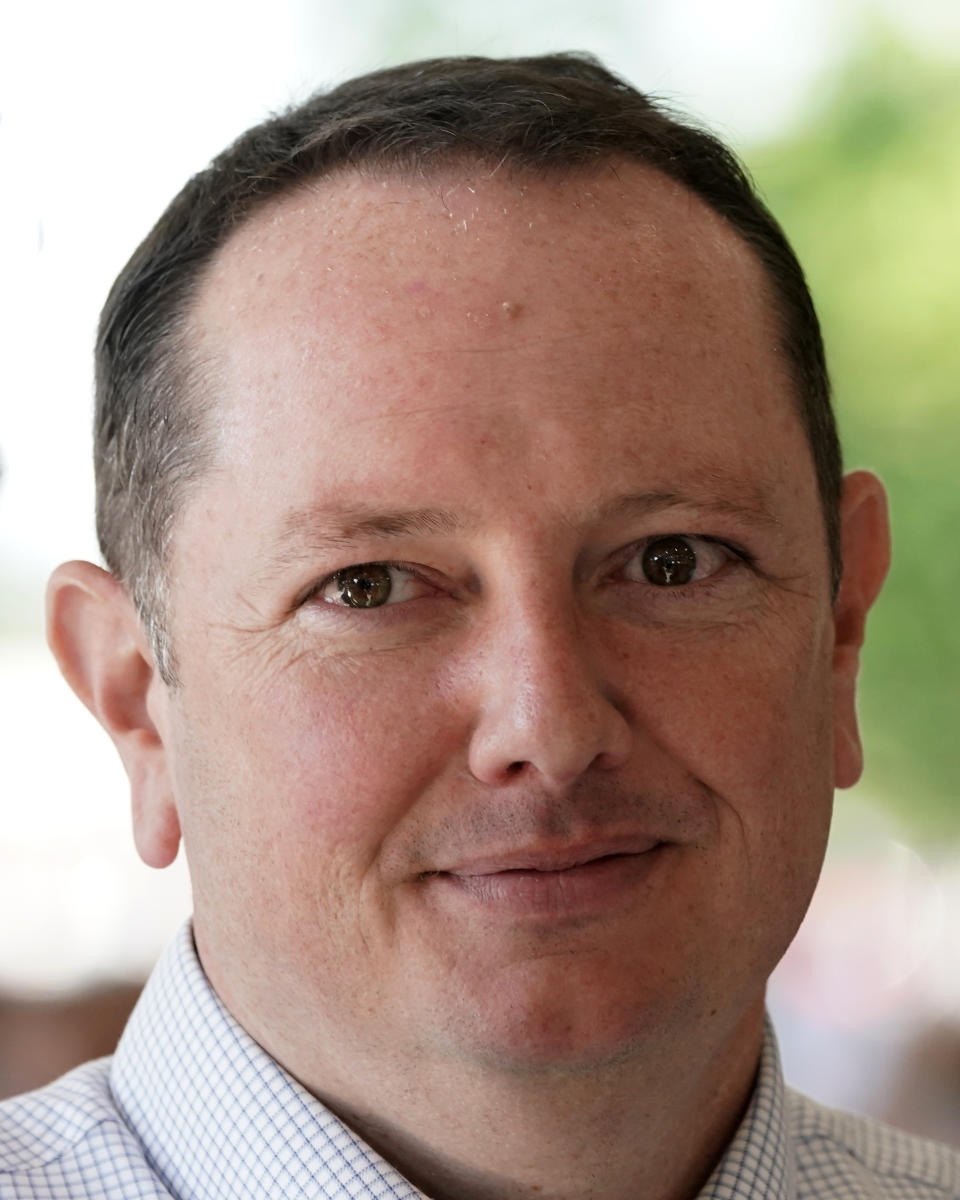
(545, 705)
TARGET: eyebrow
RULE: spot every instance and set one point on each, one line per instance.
(754, 510)
(322, 527)
(318, 527)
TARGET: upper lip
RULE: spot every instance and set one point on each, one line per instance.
(550, 858)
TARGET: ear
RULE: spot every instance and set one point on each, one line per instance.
(97, 638)
(865, 542)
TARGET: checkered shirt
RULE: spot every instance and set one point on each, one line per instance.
(191, 1107)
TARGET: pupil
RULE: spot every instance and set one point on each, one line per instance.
(364, 587)
(669, 561)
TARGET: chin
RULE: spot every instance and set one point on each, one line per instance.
(569, 1019)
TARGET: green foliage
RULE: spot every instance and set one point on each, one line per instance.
(869, 193)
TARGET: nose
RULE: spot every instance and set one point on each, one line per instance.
(546, 707)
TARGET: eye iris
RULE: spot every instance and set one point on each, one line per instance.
(364, 587)
(669, 561)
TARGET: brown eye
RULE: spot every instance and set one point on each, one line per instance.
(366, 586)
(373, 585)
(669, 562)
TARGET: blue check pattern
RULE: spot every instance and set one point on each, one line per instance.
(191, 1107)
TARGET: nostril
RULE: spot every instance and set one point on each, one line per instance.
(514, 768)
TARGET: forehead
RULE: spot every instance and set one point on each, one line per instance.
(355, 243)
(359, 312)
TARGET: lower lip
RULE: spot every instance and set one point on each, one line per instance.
(586, 890)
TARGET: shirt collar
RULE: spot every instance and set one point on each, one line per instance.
(217, 1116)
(759, 1162)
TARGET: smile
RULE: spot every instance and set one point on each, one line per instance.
(548, 887)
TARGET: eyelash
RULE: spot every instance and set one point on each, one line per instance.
(738, 556)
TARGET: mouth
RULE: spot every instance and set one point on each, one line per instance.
(552, 883)
(545, 858)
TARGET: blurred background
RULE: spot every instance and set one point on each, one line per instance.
(848, 114)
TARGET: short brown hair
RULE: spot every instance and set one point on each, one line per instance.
(539, 115)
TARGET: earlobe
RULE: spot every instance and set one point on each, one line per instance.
(96, 637)
(865, 540)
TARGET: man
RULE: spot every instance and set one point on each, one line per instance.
(483, 612)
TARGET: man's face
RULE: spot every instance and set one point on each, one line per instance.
(503, 620)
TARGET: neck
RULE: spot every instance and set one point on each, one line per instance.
(647, 1131)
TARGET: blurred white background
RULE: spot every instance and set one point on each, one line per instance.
(105, 109)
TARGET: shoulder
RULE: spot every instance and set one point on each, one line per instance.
(842, 1155)
(68, 1140)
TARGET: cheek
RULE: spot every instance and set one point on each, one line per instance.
(328, 757)
(744, 708)
(288, 793)
(751, 720)
(750, 717)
